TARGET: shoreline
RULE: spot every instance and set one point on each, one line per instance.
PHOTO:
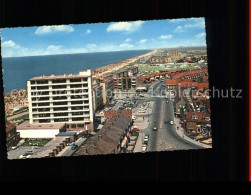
(103, 69)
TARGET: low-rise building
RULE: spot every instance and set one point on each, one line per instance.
(195, 121)
(13, 137)
(38, 131)
(113, 113)
(113, 138)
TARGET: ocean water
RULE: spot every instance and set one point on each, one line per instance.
(19, 69)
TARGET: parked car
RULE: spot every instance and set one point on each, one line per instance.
(74, 146)
(134, 117)
(142, 111)
(146, 136)
(155, 128)
(70, 143)
(25, 155)
(171, 122)
(143, 148)
(29, 152)
(135, 128)
(14, 147)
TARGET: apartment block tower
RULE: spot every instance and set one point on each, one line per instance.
(62, 99)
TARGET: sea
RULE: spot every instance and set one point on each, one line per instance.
(17, 70)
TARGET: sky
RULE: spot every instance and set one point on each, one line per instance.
(102, 37)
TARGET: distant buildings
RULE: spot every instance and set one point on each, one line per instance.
(126, 80)
(65, 99)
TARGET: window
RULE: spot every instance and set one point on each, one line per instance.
(42, 82)
(60, 98)
(60, 119)
(42, 87)
(59, 86)
(194, 117)
(77, 102)
(59, 81)
(78, 119)
(61, 114)
(207, 118)
(75, 80)
(60, 103)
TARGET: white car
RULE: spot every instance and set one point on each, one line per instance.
(143, 148)
(142, 111)
(171, 122)
(14, 147)
(24, 156)
(134, 117)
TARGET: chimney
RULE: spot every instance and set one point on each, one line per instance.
(93, 143)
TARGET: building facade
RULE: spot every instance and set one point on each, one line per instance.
(126, 80)
(62, 99)
(108, 88)
(13, 137)
(98, 97)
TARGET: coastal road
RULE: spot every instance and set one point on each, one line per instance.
(165, 138)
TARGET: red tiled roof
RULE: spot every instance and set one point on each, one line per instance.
(201, 117)
(171, 81)
(113, 113)
(9, 127)
(188, 73)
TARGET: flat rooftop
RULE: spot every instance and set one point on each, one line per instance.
(81, 74)
(27, 126)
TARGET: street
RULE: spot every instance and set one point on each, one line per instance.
(165, 138)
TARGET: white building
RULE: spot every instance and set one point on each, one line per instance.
(62, 99)
(39, 131)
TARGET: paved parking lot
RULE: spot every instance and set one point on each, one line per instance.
(14, 154)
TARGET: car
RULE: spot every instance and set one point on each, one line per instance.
(146, 140)
(142, 111)
(101, 112)
(143, 148)
(74, 146)
(25, 155)
(70, 143)
(171, 122)
(146, 136)
(29, 152)
(155, 128)
(134, 117)
(14, 147)
(135, 128)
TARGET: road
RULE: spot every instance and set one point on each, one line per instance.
(165, 138)
(17, 115)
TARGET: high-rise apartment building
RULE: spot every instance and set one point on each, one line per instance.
(62, 99)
